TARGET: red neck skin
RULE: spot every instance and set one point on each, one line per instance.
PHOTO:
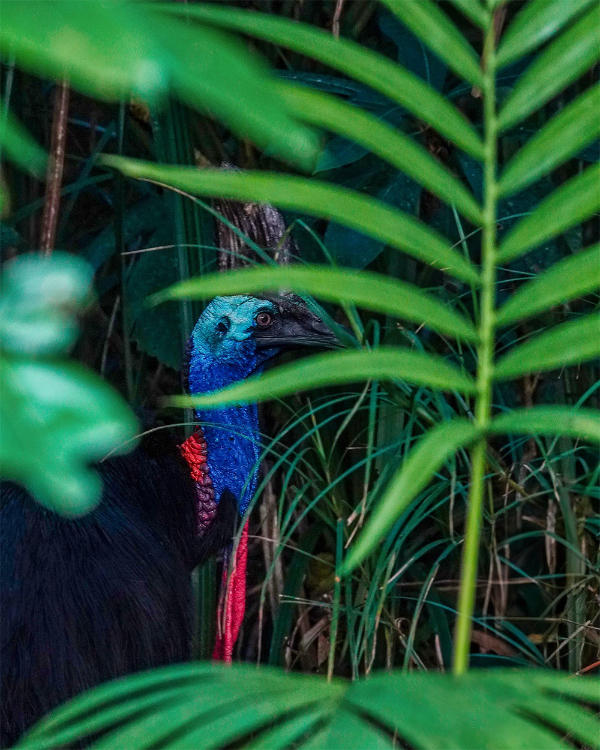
(232, 596)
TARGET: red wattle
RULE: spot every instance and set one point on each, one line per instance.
(232, 597)
(232, 601)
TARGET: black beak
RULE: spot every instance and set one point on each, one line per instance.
(295, 327)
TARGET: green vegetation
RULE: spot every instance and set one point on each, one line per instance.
(444, 512)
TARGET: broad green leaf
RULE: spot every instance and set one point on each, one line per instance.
(349, 57)
(435, 29)
(569, 278)
(363, 288)
(565, 344)
(110, 49)
(473, 10)
(348, 207)
(427, 456)
(479, 709)
(18, 146)
(385, 363)
(577, 125)
(484, 708)
(40, 296)
(568, 205)
(535, 23)
(287, 730)
(549, 420)
(382, 139)
(568, 57)
(57, 418)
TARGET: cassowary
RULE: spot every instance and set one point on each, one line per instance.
(87, 600)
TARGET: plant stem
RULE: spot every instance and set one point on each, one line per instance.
(466, 598)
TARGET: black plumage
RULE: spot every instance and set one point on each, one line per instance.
(87, 600)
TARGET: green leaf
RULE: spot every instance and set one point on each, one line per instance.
(536, 23)
(549, 420)
(576, 50)
(19, 146)
(565, 344)
(433, 26)
(385, 363)
(427, 456)
(473, 10)
(110, 49)
(57, 418)
(39, 298)
(351, 58)
(566, 134)
(348, 207)
(517, 708)
(369, 290)
(382, 139)
(569, 278)
(568, 205)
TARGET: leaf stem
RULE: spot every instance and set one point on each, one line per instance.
(466, 598)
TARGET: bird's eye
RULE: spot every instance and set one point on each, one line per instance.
(222, 327)
(264, 319)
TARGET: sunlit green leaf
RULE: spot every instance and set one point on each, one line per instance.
(568, 205)
(473, 10)
(351, 58)
(372, 291)
(535, 23)
(17, 145)
(577, 125)
(111, 49)
(569, 278)
(40, 296)
(382, 139)
(550, 420)
(565, 344)
(348, 207)
(385, 363)
(57, 418)
(433, 26)
(568, 57)
(212, 705)
(427, 456)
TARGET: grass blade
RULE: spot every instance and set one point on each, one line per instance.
(567, 206)
(364, 288)
(576, 50)
(353, 59)
(19, 146)
(571, 130)
(385, 363)
(569, 278)
(565, 344)
(474, 11)
(536, 23)
(348, 207)
(433, 26)
(382, 139)
(549, 420)
(430, 453)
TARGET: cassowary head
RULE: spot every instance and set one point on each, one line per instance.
(235, 336)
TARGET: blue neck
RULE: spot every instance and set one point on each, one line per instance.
(233, 446)
(231, 433)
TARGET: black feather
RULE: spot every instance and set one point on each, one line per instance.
(87, 600)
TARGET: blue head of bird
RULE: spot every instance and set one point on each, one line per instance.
(234, 338)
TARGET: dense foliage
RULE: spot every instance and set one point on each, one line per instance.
(462, 134)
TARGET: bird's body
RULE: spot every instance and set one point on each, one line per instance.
(87, 600)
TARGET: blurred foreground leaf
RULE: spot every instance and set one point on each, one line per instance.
(55, 416)
(211, 706)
